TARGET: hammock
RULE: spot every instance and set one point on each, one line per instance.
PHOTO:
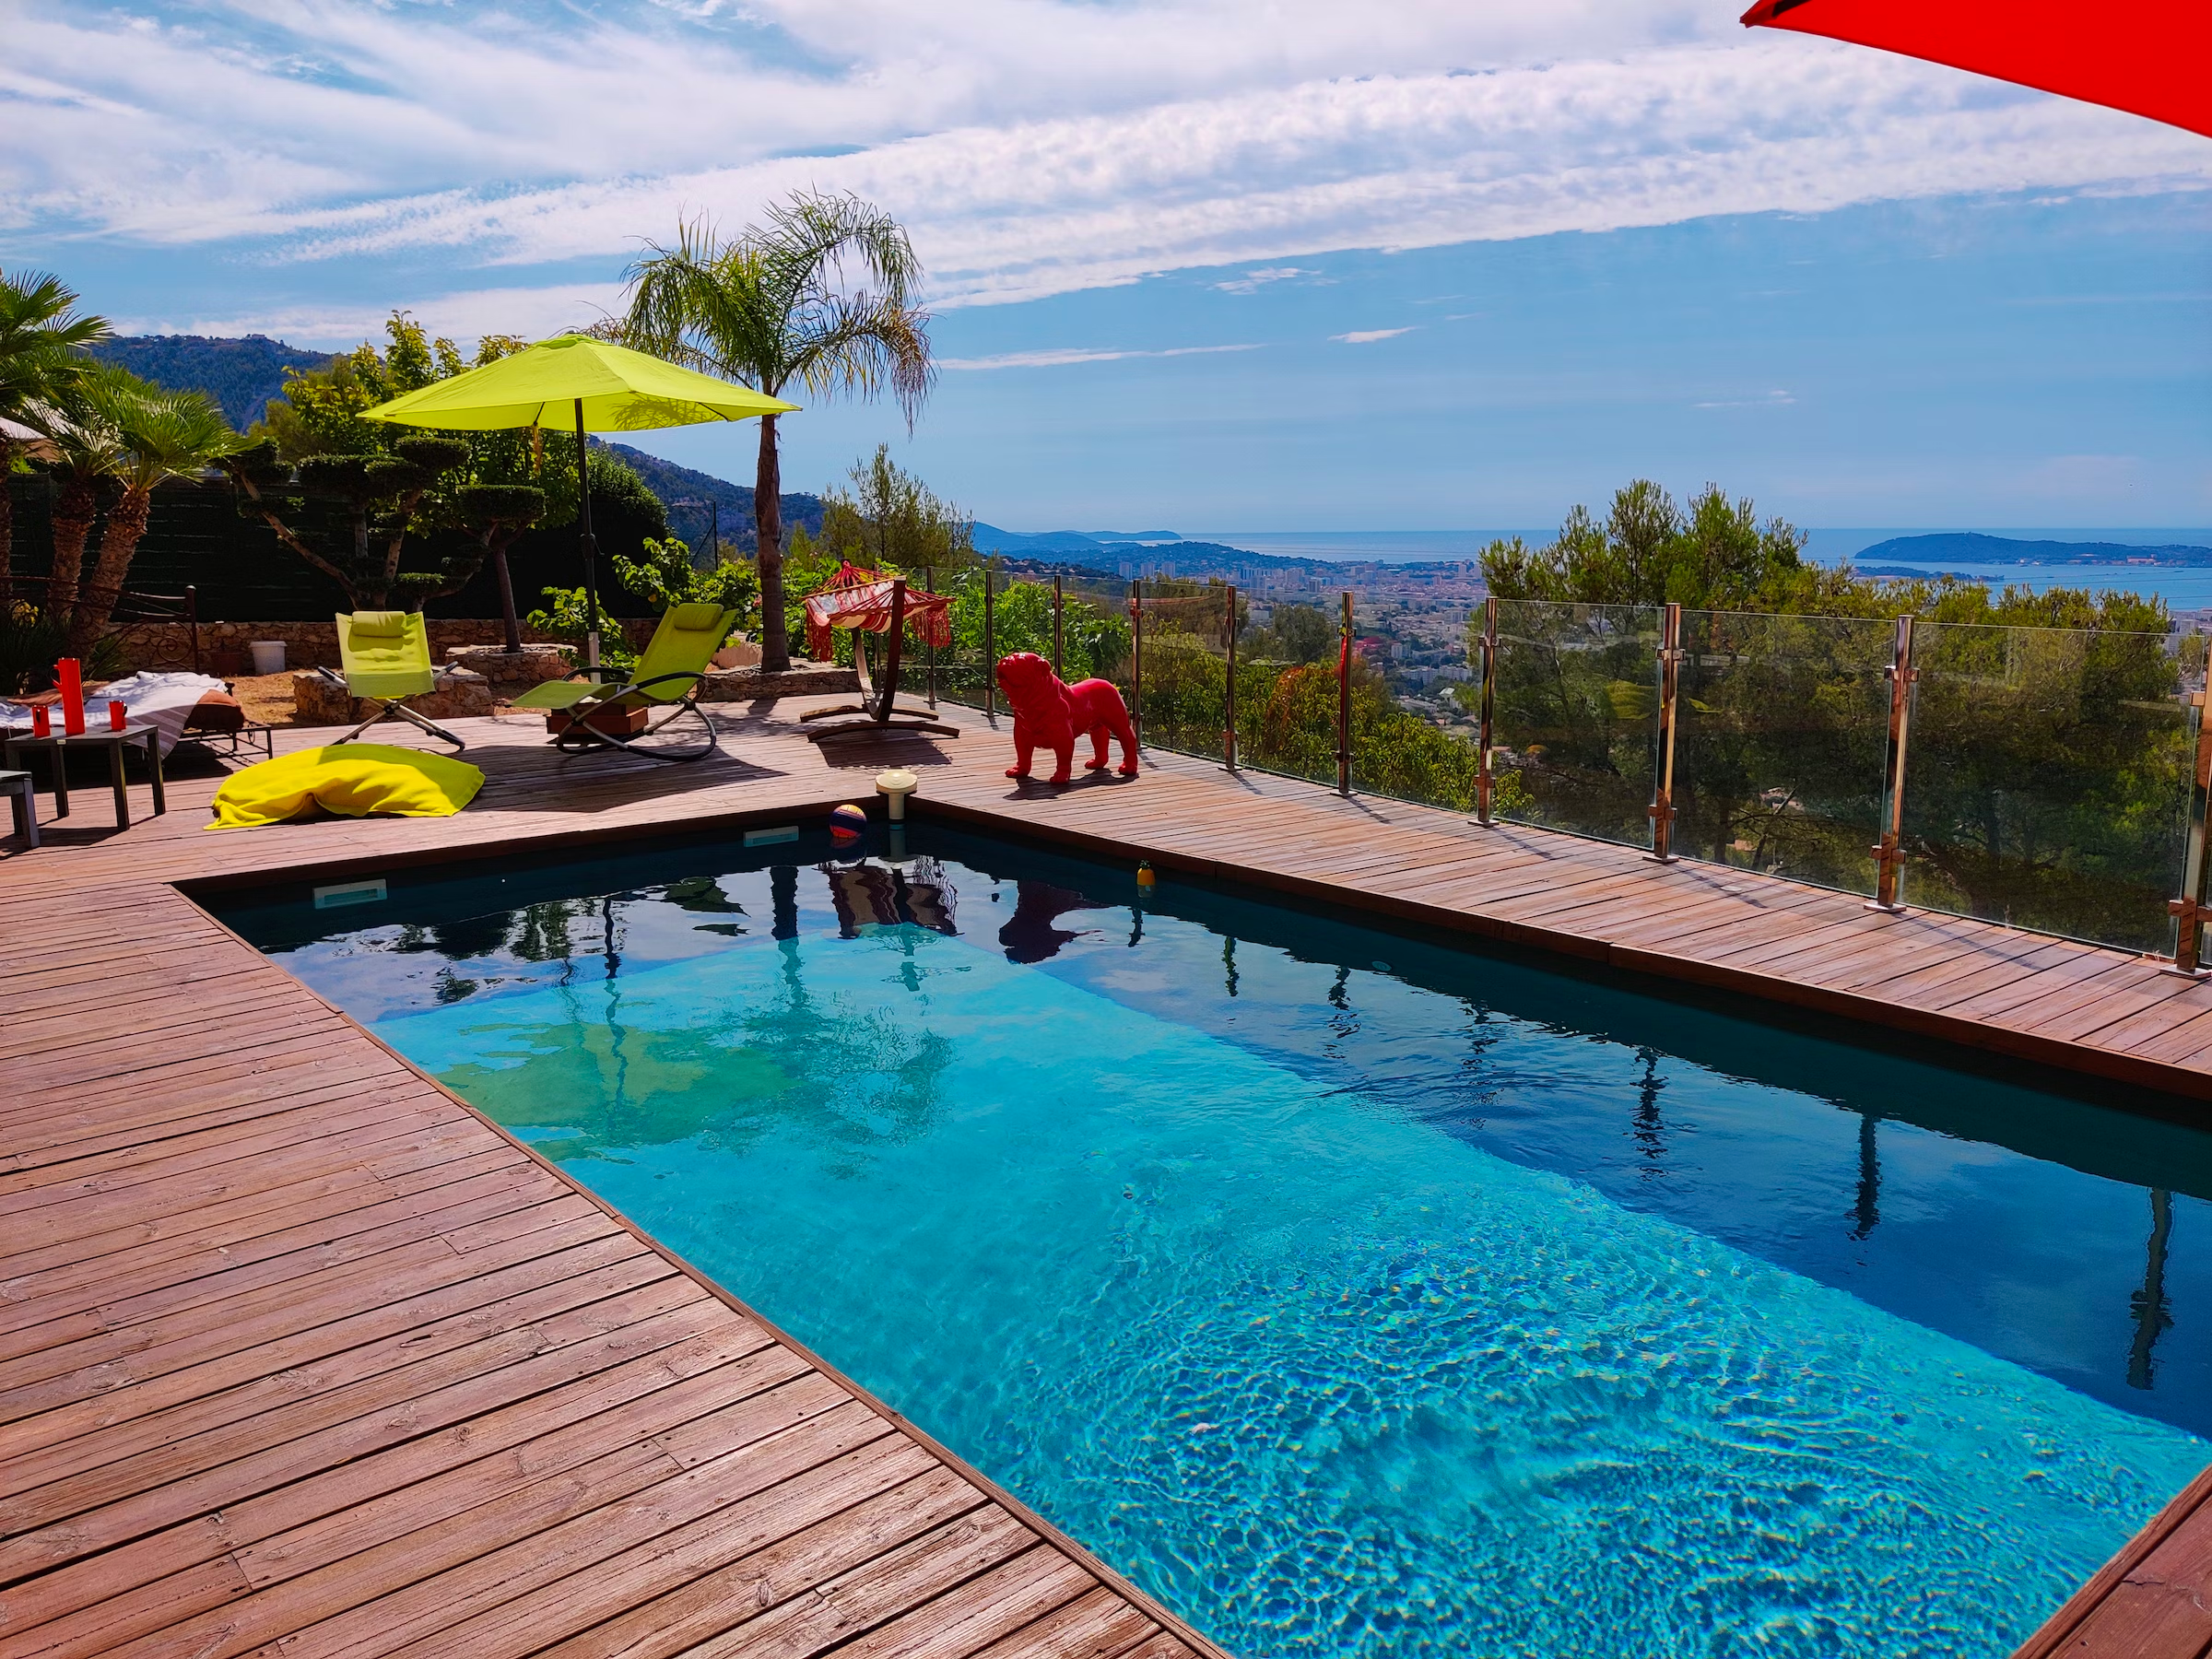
(858, 599)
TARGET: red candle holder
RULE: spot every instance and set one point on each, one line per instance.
(41, 723)
(71, 674)
(115, 712)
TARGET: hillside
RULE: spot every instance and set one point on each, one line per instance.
(733, 502)
(1971, 548)
(241, 375)
(1108, 550)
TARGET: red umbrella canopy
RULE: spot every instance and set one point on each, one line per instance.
(2151, 58)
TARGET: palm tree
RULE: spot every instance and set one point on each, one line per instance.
(87, 447)
(771, 307)
(40, 335)
(163, 435)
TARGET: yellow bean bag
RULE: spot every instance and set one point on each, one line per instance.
(351, 779)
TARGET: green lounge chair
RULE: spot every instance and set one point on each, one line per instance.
(668, 677)
(386, 656)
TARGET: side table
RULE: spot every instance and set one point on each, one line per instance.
(55, 746)
(16, 786)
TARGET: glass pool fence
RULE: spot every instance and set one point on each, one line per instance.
(2051, 779)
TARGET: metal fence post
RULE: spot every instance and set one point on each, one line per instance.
(1229, 693)
(1344, 700)
(1056, 624)
(990, 647)
(1136, 659)
(1662, 761)
(2188, 911)
(1889, 852)
(1485, 783)
(931, 657)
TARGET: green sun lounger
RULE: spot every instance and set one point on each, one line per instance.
(662, 690)
(386, 656)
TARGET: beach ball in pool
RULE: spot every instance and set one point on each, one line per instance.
(847, 823)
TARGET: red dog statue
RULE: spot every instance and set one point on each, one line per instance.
(1049, 713)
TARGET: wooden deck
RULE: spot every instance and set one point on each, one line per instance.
(299, 1355)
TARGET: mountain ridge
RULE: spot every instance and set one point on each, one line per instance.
(241, 374)
(1971, 546)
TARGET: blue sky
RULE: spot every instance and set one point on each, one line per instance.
(1260, 264)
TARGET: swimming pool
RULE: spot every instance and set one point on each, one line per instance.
(1355, 1294)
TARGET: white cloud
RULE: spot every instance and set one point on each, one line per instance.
(1061, 356)
(535, 312)
(1772, 400)
(1363, 336)
(1034, 147)
(1252, 282)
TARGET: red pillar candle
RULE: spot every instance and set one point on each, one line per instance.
(73, 696)
(114, 715)
(41, 724)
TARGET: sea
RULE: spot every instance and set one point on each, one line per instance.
(2184, 588)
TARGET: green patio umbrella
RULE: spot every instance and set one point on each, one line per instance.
(583, 381)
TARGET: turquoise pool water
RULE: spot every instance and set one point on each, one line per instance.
(1387, 1303)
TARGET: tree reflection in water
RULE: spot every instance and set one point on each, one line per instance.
(632, 1062)
(1866, 1213)
(2152, 1315)
(1650, 1127)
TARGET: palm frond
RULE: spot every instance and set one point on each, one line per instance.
(815, 233)
(37, 306)
(42, 339)
(867, 344)
(169, 435)
(701, 303)
(819, 295)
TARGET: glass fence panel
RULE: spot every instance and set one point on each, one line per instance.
(1418, 747)
(962, 674)
(1185, 694)
(1094, 632)
(1577, 701)
(1781, 726)
(957, 670)
(2048, 778)
(1185, 702)
(1287, 718)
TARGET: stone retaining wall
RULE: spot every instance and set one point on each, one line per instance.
(803, 679)
(459, 692)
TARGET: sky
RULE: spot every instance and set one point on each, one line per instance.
(1278, 265)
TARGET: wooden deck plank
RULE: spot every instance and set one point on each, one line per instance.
(101, 1500)
(720, 1579)
(338, 1226)
(245, 1401)
(433, 1579)
(635, 1391)
(150, 1297)
(415, 1493)
(78, 1400)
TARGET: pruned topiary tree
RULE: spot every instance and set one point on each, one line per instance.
(376, 497)
(495, 514)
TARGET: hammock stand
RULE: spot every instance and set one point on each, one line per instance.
(861, 601)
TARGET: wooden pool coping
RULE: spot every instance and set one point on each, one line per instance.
(198, 1094)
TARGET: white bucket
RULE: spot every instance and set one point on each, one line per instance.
(268, 655)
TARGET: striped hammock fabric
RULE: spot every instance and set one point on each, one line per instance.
(858, 599)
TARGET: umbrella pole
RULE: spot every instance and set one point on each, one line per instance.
(591, 549)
